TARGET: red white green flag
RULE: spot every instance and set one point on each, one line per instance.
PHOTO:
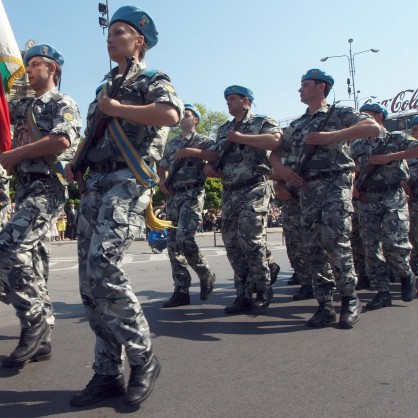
(11, 68)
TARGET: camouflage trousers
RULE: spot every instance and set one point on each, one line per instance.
(111, 214)
(326, 223)
(384, 227)
(292, 231)
(243, 229)
(25, 247)
(185, 211)
(357, 246)
(413, 235)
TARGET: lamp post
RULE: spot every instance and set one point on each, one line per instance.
(104, 21)
(351, 69)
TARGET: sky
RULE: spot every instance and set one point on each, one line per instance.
(265, 45)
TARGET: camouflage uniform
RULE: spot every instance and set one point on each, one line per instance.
(111, 214)
(184, 209)
(384, 217)
(326, 202)
(40, 197)
(245, 200)
(413, 212)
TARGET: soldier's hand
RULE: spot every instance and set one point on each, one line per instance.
(186, 152)
(110, 107)
(209, 171)
(164, 189)
(321, 138)
(281, 191)
(69, 175)
(234, 136)
(288, 176)
(9, 159)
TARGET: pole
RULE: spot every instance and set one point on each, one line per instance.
(352, 74)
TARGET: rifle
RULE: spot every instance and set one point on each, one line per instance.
(369, 172)
(308, 151)
(178, 164)
(100, 121)
(228, 145)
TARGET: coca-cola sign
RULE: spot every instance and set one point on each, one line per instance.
(403, 101)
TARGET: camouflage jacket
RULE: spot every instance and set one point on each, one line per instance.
(54, 113)
(141, 87)
(244, 162)
(191, 171)
(388, 174)
(333, 157)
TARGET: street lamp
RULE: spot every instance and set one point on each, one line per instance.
(104, 21)
(351, 69)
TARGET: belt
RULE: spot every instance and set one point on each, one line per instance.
(387, 188)
(242, 184)
(324, 175)
(32, 177)
(187, 187)
(107, 166)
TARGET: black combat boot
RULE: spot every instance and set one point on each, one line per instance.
(274, 272)
(206, 287)
(350, 311)
(363, 283)
(240, 304)
(177, 299)
(381, 300)
(141, 381)
(323, 316)
(29, 342)
(408, 288)
(100, 387)
(264, 298)
(294, 280)
(304, 293)
(43, 354)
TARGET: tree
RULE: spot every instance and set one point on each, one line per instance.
(213, 188)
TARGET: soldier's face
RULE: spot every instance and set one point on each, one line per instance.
(235, 103)
(414, 131)
(123, 41)
(309, 91)
(39, 73)
(189, 121)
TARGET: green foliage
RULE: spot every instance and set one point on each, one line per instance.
(213, 188)
(210, 122)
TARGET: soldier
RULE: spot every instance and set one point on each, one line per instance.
(46, 132)
(382, 208)
(245, 168)
(185, 200)
(413, 200)
(112, 208)
(325, 198)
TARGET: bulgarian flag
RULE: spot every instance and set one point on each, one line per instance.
(11, 68)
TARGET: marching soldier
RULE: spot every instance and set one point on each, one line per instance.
(326, 181)
(46, 132)
(382, 208)
(112, 208)
(184, 158)
(245, 144)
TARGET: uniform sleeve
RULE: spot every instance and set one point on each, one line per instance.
(270, 126)
(162, 91)
(67, 120)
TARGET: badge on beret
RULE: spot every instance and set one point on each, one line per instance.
(314, 73)
(44, 50)
(143, 22)
(68, 115)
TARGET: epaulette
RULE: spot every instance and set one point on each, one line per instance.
(260, 116)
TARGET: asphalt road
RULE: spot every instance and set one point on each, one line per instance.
(213, 365)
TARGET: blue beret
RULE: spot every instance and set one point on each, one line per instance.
(242, 91)
(374, 107)
(315, 74)
(414, 121)
(194, 109)
(139, 20)
(43, 50)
